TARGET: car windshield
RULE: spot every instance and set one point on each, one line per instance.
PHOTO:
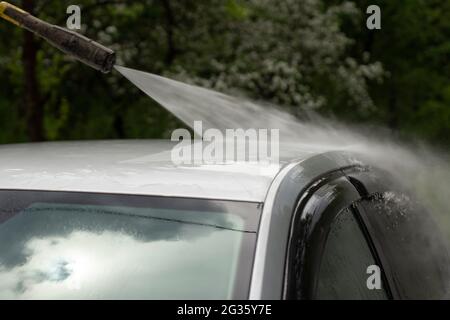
(62, 245)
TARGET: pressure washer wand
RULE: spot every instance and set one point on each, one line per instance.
(71, 43)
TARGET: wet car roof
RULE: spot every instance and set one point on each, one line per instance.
(141, 167)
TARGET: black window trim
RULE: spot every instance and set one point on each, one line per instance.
(380, 260)
(299, 269)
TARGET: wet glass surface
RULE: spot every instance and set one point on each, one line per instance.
(72, 251)
(344, 263)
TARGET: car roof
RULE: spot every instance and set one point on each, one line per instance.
(142, 167)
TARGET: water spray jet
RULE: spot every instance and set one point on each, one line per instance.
(80, 47)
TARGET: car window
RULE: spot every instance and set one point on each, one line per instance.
(57, 245)
(412, 244)
(345, 262)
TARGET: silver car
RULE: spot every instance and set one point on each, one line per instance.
(118, 220)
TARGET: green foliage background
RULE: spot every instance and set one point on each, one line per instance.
(302, 54)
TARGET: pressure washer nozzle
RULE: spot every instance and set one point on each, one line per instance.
(71, 43)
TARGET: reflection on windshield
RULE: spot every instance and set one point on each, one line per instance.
(53, 251)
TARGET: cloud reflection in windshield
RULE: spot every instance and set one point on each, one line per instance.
(68, 255)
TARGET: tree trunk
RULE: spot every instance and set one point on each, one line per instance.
(392, 104)
(170, 24)
(33, 102)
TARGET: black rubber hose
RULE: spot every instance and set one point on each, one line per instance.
(80, 47)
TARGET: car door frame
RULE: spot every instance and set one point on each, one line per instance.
(309, 234)
(270, 268)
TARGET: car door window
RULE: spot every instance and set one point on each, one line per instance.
(345, 260)
(412, 243)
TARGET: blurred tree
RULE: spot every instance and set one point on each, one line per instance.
(414, 47)
(289, 52)
(33, 101)
(294, 53)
